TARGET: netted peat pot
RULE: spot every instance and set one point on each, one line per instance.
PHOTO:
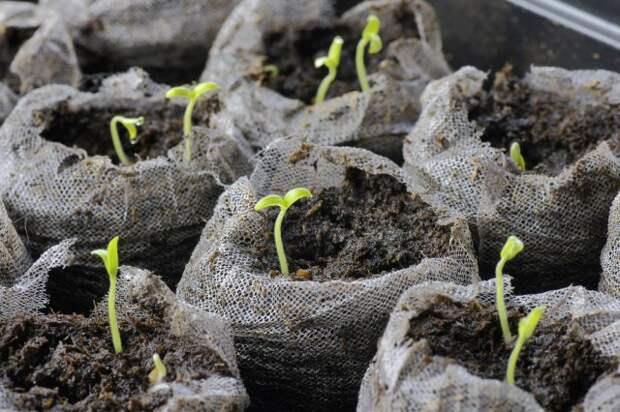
(304, 341)
(290, 35)
(567, 124)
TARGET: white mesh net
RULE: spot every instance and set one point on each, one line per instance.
(561, 219)
(157, 206)
(14, 258)
(610, 256)
(407, 376)
(307, 343)
(377, 119)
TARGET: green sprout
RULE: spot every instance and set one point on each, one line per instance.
(370, 36)
(283, 203)
(130, 124)
(192, 95)
(511, 249)
(331, 61)
(272, 70)
(159, 371)
(110, 261)
(527, 325)
(515, 154)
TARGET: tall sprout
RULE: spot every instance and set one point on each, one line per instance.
(331, 61)
(370, 36)
(130, 125)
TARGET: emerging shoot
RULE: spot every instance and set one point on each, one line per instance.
(370, 36)
(510, 250)
(159, 371)
(110, 261)
(272, 70)
(331, 61)
(527, 325)
(516, 156)
(283, 203)
(192, 95)
(130, 124)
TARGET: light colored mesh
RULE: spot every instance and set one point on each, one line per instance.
(14, 258)
(289, 335)
(610, 256)
(8, 99)
(208, 330)
(27, 294)
(562, 228)
(57, 192)
(406, 376)
(377, 119)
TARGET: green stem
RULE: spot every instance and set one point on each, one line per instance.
(279, 245)
(187, 130)
(327, 81)
(116, 336)
(360, 66)
(499, 301)
(512, 361)
(116, 141)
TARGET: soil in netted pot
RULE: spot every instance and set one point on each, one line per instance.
(553, 131)
(557, 365)
(67, 362)
(369, 226)
(294, 50)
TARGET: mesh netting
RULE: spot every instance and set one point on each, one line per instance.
(407, 376)
(377, 119)
(610, 256)
(14, 258)
(561, 219)
(301, 344)
(157, 206)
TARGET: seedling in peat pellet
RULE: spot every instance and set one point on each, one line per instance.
(370, 36)
(283, 203)
(159, 371)
(331, 61)
(130, 124)
(516, 156)
(192, 95)
(110, 261)
(527, 325)
(511, 249)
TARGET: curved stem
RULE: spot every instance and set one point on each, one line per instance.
(499, 301)
(360, 66)
(327, 81)
(512, 361)
(116, 336)
(187, 130)
(116, 141)
(279, 245)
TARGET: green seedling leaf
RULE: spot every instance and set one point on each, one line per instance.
(527, 326)
(511, 249)
(269, 201)
(331, 61)
(130, 125)
(294, 195)
(272, 70)
(515, 155)
(159, 371)
(370, 38)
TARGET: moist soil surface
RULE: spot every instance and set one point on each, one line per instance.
(294, 50)
(557, 365)
(67, 362)
(553, 131)
(368, 226)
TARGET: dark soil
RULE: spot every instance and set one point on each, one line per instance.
(294, 50)
(553, 132)
(369, 226)
(67, 362)
(557, 365)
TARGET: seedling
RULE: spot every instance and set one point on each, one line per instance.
(370, 36)
(527, 325)
(130, 124)
(110, 261)
(283, 203)
(159, 371)
(515, 154)
(510, 250)
(192, 95)
(331, 61)
(272, 70)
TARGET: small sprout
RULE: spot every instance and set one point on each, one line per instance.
(272, 70)
(331, 61)
(159, 371)
(283, 203)
(370, 35)
(192, 95)
(527, 325)
(511, 249)
(110, 261)
(130, 124)
(516, 156)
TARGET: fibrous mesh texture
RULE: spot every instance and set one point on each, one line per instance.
(156, 206)
(307, 343)
(405, 376)
(377, 119)
(561, 219)
(14, 258)
(610, 256)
